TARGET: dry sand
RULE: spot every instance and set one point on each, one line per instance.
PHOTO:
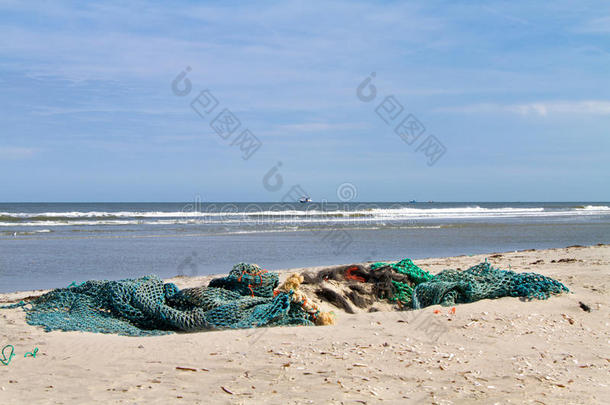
(491, 351)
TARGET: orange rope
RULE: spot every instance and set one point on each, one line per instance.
(259, 274)
(350, 276)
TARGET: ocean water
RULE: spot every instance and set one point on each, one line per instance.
(47, 245)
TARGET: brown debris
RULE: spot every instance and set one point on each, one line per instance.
(334, 298)
(185, 368)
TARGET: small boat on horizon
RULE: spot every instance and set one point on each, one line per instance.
(304, 200)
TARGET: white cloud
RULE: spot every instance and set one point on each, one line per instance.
(543, 108)
(320, 126)
(50, 110)
(16, 153)
(599, 25)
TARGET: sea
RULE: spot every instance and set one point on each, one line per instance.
(50, 245)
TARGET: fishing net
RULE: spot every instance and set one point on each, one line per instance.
(146, 306)
(361, 286)
(482, 281)
(248, 279)
(250, 297)
(408, 286)
(400, 287)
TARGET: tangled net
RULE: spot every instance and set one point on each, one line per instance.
(250, 297)
(482, 281)
(401, 289)
(146, 306)
(408, 286)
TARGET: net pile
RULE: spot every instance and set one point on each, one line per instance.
(146, 306)
(400, 287)
(408, 286)
(482, 281)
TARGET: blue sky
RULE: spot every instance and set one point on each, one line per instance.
(517, 92)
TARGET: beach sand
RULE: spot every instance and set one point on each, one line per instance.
(492, 351)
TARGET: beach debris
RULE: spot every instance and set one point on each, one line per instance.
(334, 298)
(146, 306)
(482, 281)
(7, 360)
(349, 274)
(408, 286)
(539, 261)
(186, 368)
(566, 260)
(33, 353)
(358, 296)
(291, 286)
(363, 285)
(584, 306)
(226, 390)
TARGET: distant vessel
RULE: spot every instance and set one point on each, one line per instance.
(412, 202)
(304, 200)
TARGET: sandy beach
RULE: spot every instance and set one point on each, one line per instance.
(304, 202)
(493, 351)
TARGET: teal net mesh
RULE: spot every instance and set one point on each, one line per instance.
(246, 298)
(146, 306)
(482, 281)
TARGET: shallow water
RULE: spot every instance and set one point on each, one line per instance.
(51, 245)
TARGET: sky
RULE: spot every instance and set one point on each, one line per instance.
(511, 100)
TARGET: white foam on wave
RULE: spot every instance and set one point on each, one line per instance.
(254, 210)
(594, 208)
(230, 215)
(33, 232)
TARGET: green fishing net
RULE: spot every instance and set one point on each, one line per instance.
(248, 279)
(482, 281)
(146, 306)
(402, 287)
(413, 287)
(246, 298)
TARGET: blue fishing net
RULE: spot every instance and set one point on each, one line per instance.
(146, 306)
(451, 287)
(246, 298)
